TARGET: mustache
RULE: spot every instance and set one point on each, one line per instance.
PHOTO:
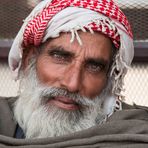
(47, 93)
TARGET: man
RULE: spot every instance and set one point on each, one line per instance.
(71, 57)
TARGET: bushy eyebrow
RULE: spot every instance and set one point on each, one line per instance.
(61, 50)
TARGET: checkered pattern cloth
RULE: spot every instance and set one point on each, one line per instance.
(35, 29)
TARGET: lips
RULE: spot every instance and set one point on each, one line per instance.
(64, 103)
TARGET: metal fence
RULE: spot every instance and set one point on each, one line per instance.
(137, 13)
(12, 13)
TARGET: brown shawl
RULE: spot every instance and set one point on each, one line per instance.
(124, 129)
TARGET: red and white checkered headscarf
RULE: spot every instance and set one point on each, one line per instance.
(50, 17)
(36, 28)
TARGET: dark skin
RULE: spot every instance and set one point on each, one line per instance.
(77, 68)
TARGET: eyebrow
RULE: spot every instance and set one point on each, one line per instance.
(61, 50)
(98, 60)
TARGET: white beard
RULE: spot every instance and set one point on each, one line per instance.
(39, 120)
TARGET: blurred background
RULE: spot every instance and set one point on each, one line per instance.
(12, 13)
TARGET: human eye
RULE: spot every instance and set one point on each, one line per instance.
(60, 56)
(95, 67)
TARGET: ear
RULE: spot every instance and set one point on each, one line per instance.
(27, 55)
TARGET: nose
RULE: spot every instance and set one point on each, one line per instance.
(72, 79)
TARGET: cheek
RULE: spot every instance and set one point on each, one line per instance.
(47, 72)
(94, 85)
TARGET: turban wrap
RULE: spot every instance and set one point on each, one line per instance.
(50, 17)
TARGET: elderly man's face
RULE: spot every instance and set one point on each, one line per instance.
(78, 69)
(61, 92)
